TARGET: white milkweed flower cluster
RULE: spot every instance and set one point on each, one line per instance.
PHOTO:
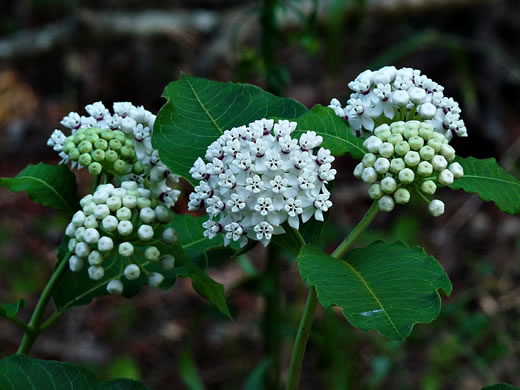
(259, 177)
(406, 155)
(118, 143)
(391, 94)
(123, 220)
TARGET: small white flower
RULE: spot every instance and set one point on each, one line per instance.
(264, 232)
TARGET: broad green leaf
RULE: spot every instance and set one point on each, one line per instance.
(208, 288)
(21, 372)
(335, 131)
(10, 310)
(189, 373)
(500, 386)
(387, 287)
(76, 288)
(490, 182)
(255, 380)
(198, 111)
(49, 185)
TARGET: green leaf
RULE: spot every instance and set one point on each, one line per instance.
(490, 182)
(335, 132)
(387, 287)
(255, 380)
(10, 310)
(50, 185)
(21, 372)
(500, 386)
(76, 288)
(198, 111)
(208, 288)
(189, 373)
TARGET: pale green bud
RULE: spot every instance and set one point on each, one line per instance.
(120, 167)
(402, 148)
(416, 143)
(124, 214)
(410, 132)
(402, 196)
(427, 153)
(368, 160)
(456, 169)
(435, 144)
(397, 165)
(406, 176)
(111, 156)
(114, 144)
(143, 203)
(382, 165)
(394, 139)
(138, 168)
(74, 154)
(358, 170)
(98, 155)
(426, 132)
(448, 152)
(126, 249)
(386, 204)
(375, 191)
(386, 149)
(445, 177)
(95, 168)
(436, 207)
(152, 254)
(132, 272)
(107, 135)
(428, 187)
(101, 144)
(369, 175)
(84, 147)
(382, 132)
(424, 169)
(412, 159)
(388, 185)
(79, 137)
(85, 159)
(127, 152)
(439, 162)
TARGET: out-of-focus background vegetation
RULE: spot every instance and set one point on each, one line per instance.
(57, 56)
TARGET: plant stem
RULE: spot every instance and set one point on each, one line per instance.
(271, 320)
(304, 328)
(19, 323)
(34, 328)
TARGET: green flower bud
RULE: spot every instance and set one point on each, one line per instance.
(410, 132)
(369, 175)
(129, 143)
(406, 176)
(382, 132)
(98, 155)
(120, 136)
(101, 144)
(427, 153)
(448, 152)
(416, 143)
(74, 154)
(386, 149)
(402, 148)
(375, 191)
(143, 203)
(79, 137)
(358, 170)
(107, 134)
(119, 167)
(127, 152)
(412, 158)
(397, 165)
(68, 146)
(397, 127)
(124, 214)
(439, 137)
(435, 144)
(424, 169)
(386, 204)
(114, 144)
(368, 160)
(84, 147)
(428, 187)
(388, 185)
(85, 159)
(111, 156)
(426, 132)
(402, 196)
(95, 168)
(413, 125)
(382, 165)
(92, 138)
(394, 139)
(138, 168)
(445, 177)
(439, 162)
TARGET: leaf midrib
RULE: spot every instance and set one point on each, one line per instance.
(490, 178)
(369, 289)
(47, 185)
(203, 106)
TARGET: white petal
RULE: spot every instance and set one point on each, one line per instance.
(294, 222)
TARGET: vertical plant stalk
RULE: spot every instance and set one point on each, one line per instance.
(304, 329)
(34, 328)
(271, 320)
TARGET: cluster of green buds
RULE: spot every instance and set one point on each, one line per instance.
(125, 225)
(406, 156)
(109, 151)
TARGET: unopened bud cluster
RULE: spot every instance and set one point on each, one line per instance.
(391, 94)
(118, 144)
(258, 177)
(403, 156)
(119, 223)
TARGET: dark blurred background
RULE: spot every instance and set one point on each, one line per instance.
(57, 56)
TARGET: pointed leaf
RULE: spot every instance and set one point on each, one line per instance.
(10, 310)
(335, 132)
(490, 182)
(21, 372)
(387, 287)
(198, 111)
(50, 185)
(189, 374)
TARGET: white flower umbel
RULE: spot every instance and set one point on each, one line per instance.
(119, 144)
(391, 94)
(421, 160)
(257, 177)
(123, 224)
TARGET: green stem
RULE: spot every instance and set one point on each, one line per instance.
(34, 328)
(304, 328)
(271, 320)
(19, 323)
